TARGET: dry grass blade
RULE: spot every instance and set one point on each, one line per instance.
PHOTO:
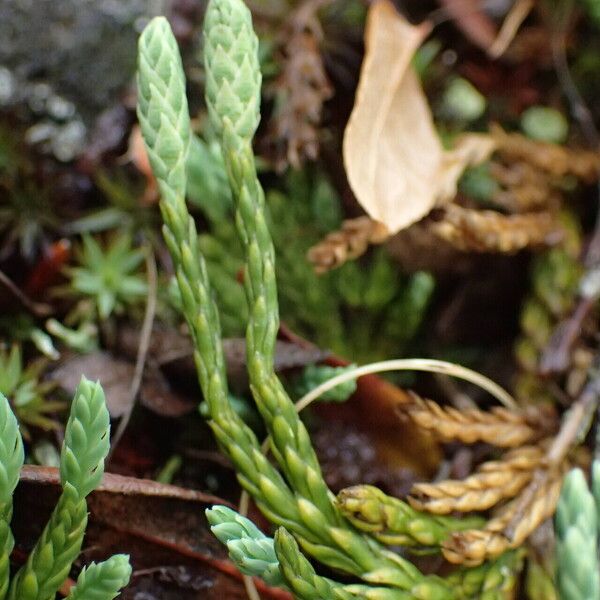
(552, 159)
(348, 243)
(470, 17)
(475, 546)
(490, 231)
(493, 481)
(518, 13)
(499, 426)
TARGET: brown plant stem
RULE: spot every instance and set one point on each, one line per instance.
(518, 13)
(38, 309)
(576, 422)
(145, 335)
(556, 356)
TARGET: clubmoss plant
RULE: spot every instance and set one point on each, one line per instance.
(249, 548)
(314, 375)
(394, 522)
(108, 275)
(576, 526)
(84, 449)
(296, 499)
(102, 581)
(26, 393)
(26, 214)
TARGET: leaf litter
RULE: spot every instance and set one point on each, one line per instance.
(392, 170)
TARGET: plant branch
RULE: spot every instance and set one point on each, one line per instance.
(575, 424)
(144, 344)
(37, 308)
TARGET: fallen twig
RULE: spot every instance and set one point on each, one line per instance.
(38, 309)
(555, 358)
(575, 424)
(145, 336)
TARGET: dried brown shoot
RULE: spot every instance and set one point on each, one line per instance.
(523, 187)
(300, 90)
(472, 230)
(350, 242)
(551, 159)
(535, 503)
(493, 481)
(499, 426)
(474, 546)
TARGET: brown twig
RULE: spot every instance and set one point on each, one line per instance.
(576, 422)
(145, 335)
(518, 13)
(556, 356)
(557, 353)
(38, 309)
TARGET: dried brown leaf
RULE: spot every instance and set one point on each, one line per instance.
(161, 526)
(348, 243)
(169, 347)
(136, 153)
(469, 149)
(391, 149)
(472, 230)
(114, 374)
(493, 481)
(394, 159)
(498, 426)
(160, 397)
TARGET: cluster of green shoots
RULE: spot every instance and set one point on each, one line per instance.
(108, 276)
(26, 390)
(292, 495)
(84, 449)
(577, 527)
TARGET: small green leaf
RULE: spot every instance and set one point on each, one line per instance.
(545, 124)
